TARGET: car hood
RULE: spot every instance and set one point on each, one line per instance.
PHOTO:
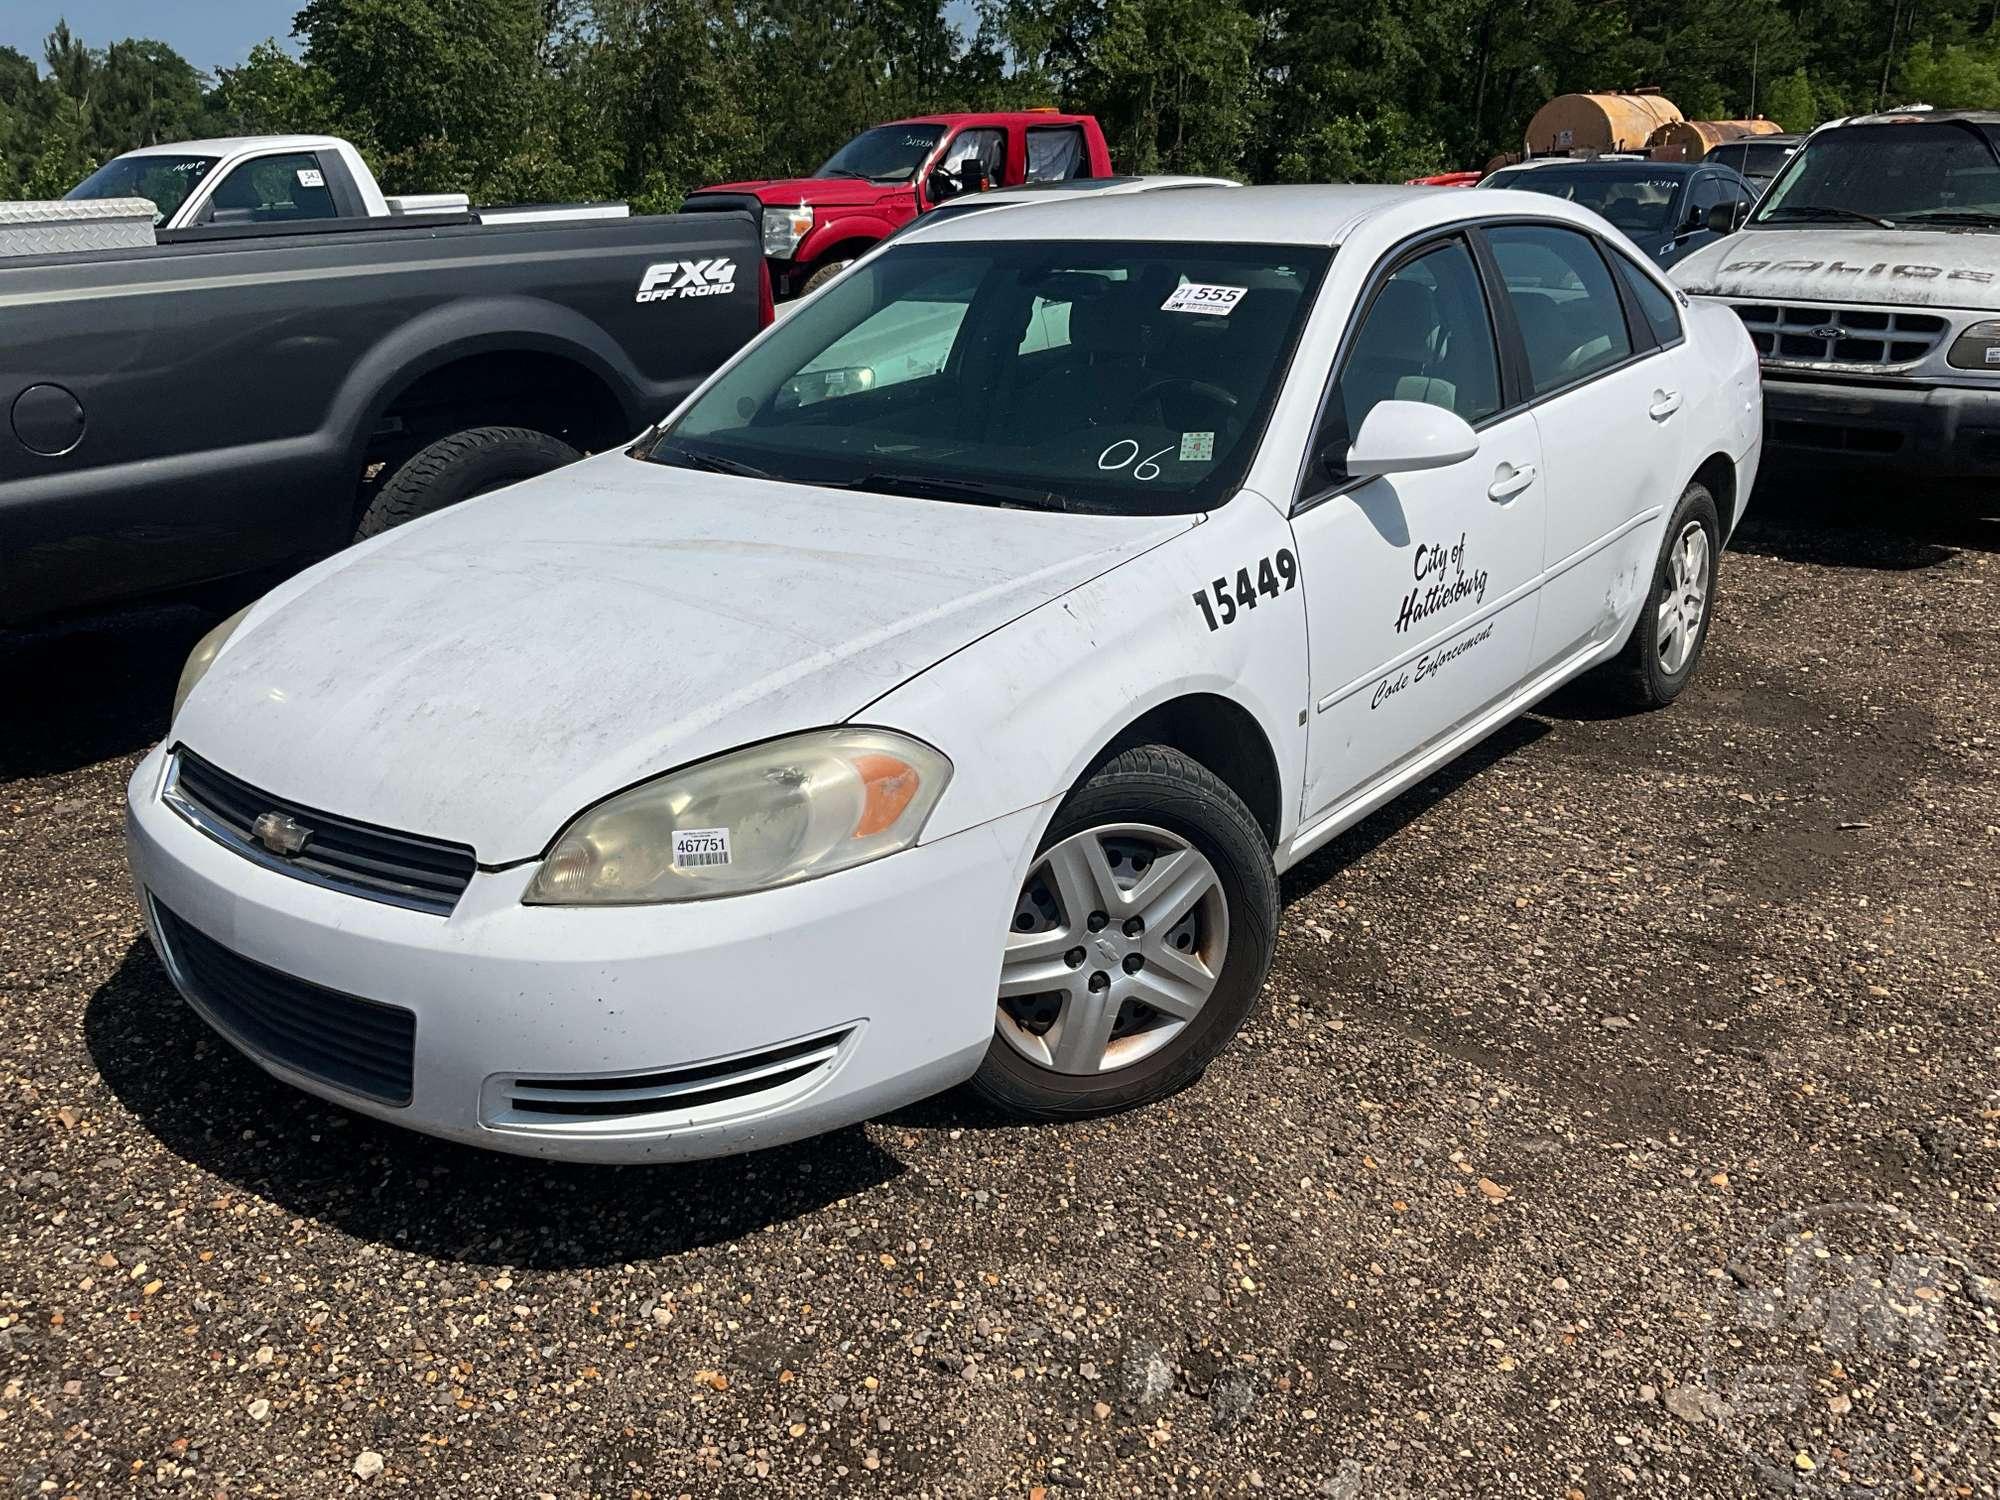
(485, 674)
(821, 192)
(1817, 263)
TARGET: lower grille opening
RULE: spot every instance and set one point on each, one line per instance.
(362, 1046)
(746, 1080)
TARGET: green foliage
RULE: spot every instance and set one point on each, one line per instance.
(645, 99)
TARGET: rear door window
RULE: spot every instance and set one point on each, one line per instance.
(1056, 153)
(1572, 322)
(1662, 314)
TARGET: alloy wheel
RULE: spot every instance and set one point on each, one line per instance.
(1117, 942)
(1685, 607)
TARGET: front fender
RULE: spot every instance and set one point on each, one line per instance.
(1024, 711)
(870, 227)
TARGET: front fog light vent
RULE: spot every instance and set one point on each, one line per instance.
(730, 1086)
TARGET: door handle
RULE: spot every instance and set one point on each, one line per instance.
(1511, 484)
(1665, 404)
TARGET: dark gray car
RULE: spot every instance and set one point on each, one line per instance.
(1667, 209)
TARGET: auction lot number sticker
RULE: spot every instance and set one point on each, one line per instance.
(695, 848)
(1203, 297)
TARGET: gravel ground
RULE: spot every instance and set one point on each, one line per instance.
(1475, 1205)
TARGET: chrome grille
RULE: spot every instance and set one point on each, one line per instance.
(403, 869)
(1809, 335)
(359, 1045)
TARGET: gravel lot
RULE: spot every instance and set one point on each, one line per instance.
(1550, 1044)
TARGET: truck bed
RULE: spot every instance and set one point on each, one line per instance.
(210, 405)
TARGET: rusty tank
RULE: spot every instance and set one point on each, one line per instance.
(1691, 140)
(1592, 124)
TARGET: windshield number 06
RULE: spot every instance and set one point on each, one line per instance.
(1220, 604)
(1142, 468)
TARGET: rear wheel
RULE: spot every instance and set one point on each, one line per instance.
(1665, 646)
(459, 467)
(1138, 944)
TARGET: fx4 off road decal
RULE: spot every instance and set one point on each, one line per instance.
(687, 278)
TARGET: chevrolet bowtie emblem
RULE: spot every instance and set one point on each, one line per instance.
(280, 833)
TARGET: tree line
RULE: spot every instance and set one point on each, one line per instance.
(644, 99)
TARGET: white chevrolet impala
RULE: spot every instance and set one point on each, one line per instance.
(938, 693)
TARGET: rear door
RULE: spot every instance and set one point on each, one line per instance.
(1421, 587)
(1602, 349)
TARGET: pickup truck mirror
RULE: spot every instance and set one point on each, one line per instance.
(1723, 218)
(940, 186)
(1401, 437)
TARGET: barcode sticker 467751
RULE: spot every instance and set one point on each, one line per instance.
(1201, 297)
(697, 847)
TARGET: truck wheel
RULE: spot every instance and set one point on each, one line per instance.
(823, 274)
(458, 467)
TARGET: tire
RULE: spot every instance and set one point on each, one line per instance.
(1656, 666)
(459, 467)
(1141, 807)
(822, 274)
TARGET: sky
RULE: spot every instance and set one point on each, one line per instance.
(210, 34)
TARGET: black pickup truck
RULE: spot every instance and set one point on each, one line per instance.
(244, 398)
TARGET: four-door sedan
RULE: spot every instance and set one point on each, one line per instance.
(870, 726)
(1668, 209)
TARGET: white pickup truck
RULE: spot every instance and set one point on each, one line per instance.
(279, 179)
(1869, 280)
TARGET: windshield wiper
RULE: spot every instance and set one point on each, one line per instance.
(1976, 218)
(842, 172)
(715, 463)
(943, 487)
(1823, 211)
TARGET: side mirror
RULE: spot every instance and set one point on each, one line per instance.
(940, 186)
(1723, 218)
(1401, 437)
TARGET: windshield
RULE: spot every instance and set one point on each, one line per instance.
(166, 180)
(1637, 202)
(888, 153)
(1116, 377)
(1890, 174)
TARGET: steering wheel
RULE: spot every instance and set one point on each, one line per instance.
(1207, 390)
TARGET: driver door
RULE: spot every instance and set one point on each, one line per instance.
(1422, 588)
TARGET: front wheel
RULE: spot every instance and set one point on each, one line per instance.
(1138, 945)
(823, 274)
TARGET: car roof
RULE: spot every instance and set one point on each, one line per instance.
(993, 117)
(1241, 215)
(1921, 114)
(230, 145)
(1597, 168)
(1036, 192)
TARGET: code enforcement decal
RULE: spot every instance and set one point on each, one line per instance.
(1199, 297)
(696, 847)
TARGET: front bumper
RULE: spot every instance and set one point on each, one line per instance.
(1923, 429)
(607, 1034)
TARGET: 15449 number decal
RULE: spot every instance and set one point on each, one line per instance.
(1220, 603)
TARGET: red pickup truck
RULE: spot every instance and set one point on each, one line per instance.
(887, 175)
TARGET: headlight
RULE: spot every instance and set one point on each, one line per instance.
(203, 657)
(747, 821)
(784, 228)
(1977, 348)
